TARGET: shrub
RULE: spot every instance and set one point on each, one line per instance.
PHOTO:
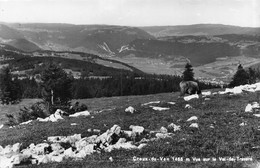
(11, 121)
(38, 109)
(77, 107)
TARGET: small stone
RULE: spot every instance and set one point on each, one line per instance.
(163, 130)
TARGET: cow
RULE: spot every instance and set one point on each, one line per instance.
(189, 87)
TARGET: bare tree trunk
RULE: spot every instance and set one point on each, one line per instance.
(52, 97)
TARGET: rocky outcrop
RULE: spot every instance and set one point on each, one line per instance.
(58, 148)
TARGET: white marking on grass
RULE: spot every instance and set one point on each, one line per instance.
(187, 98)
(26, 122)
(188, 106)
(257, 115)
(193, 118)
(82, 113)
(160, 108)
(152, 102)
(172, 103)
(208, 93)
(243, 124)
(194, 125)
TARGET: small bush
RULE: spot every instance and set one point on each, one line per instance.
(77, 108)
(38, 109)
(11, 121)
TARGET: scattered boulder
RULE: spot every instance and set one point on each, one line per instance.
(255, 105)
(194, 125)
(163, 135)
(152, 102)
(26, 122)
(249, 108)
(86, 150)
(208, 93)
(141, 145)
(194, 96)
(96, 131)
(109, 137)
(9, 149)
(172, 103)
(174, 127)
(159, 108)
(211, 126)
(243, 124)
(66, 139)
(252, 107)
(137, 129)
(39, 149)
(188, 106)
(257, 115)
(82, 113)
(192, 118)
(69, 153)
(130, 109)
(59, 148)
(163, 130)
(128, 134)
(85, 141)
(126, 145)
(240, 89)
(111, 159)
(54, 117)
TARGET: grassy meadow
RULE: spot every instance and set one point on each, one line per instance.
(225, 131)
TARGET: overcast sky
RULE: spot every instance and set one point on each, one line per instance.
(133, 12)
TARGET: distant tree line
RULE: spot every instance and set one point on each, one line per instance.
(57, 86)
(112, 86)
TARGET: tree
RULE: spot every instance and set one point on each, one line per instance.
(188, 74)
(10, 90)
(252, 75)
(241, 77)
(56, 86)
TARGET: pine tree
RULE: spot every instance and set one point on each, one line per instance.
(56, 86)
(10, 90)
(188, 74)
(252, 76)
(241, 77)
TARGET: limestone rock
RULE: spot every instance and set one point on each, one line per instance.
(137, 129)
(130, 109)
(174, 127)
(193, 118)
(163, 130)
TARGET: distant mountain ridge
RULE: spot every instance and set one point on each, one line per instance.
(153, 49)
(199, 29)
(102, 39)
(96, 39)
